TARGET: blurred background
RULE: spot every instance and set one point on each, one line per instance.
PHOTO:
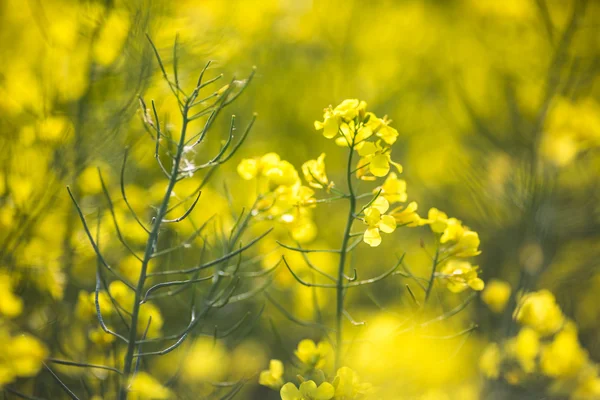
(497, 108)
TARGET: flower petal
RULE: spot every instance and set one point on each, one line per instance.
(372, 237)
(381, 204)
(387, 224)
(380, 165)
(324, 392)
(289, 391)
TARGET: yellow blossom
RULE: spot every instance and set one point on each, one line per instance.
(11, 305)
(524, 348)
(101, 338)
(348, 386)
(460, 275)
(313, 355)
(376, 158)
(393, 189)
(85, 310)
(144, 386)
(22, 356)
(122, 294)
(272, 377)
(352, 134)
(377, 222)
(490, 360)
(207, 360)
(564, 357)
(385, 131)
(314, 172)
(540, 311)
(308, 391)
(407, 216)
(344, 113)
(496, 295)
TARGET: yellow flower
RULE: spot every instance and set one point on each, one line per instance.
(377, 158)
(467, 246)
(524, 347)
(314, 172)
(453, 232)
(144, 386)
(348, 386)
(496, 295)
(330, 124)
(271, 167)
(23, 355)
(385, 131)
(377, 222)
(539, 311)
(248, 168)
(393, 189)
(101, 338)
(122, 295)
(150, 313)
(407, 216)
(313, 355)
(564, 357)
(207, 360)
(465, 243)
(85, 310)
(308, 391)
(342, 114)
(272, 377)
(352, 134)
(490, 360)
(11, 305)
(460, 275)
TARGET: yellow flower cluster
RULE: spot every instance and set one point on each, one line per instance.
(570, 129)
(496, 295)
(351, 125)
(282, 195)
(546, 347)
(456, 240)
(21, 356)
(315, 358)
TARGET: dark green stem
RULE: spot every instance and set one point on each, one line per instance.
(342, 264)
(150, 249)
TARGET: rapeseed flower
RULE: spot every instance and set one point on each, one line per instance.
(563, 357)
(144, 386)
(348, 385)
(407, 215)
(540, 311)
(524, 348)
(460, 275)
(378, 160)
(393, 189)
(312, 355)
(308, 391)
(314, 172)
(272, 377)
(496, 295)
(377, 221)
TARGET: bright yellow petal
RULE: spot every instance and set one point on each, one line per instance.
(367, 149)
(381, 204)
(372, 237)
(308, 389)
(324, 392)
(289, 391)
(380, 165)
(387, 224)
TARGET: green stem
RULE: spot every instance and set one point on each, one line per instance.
(150, 249)
(342, 264)
(432, 277)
